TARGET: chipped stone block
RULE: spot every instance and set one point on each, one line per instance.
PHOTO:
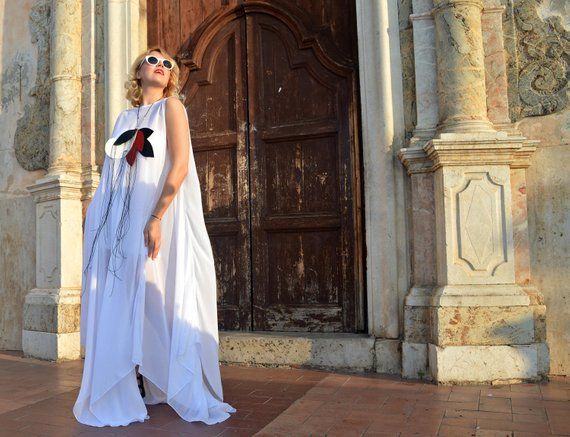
(388, 356)
(414, 360)
(483, 364)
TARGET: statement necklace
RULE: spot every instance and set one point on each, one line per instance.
(132, 141)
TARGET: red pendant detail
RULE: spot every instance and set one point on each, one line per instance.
(136, 147)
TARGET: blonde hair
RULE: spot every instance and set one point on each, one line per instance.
(133, 84)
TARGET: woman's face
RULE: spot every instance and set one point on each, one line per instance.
(154, 75)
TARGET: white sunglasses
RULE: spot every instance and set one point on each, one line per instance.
(154, 60)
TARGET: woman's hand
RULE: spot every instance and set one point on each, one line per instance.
(152, 236)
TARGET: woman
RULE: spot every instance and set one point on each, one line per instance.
(148, 303)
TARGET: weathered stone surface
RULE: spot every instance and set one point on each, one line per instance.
(543, 352)
(31, 138)
(520, 226)
(538, 48)
(460, 66)
(416, 324)
(414, 360)
(388, 356)
(330, 351)
(548, 181)
(482, 325)
(427, 106)
(51, 346)
(407, 56)
(17, 239)
(422, 237)
(495, 64)
(52, 311)
(483, 364)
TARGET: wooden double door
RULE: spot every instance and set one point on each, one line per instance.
(271, 92)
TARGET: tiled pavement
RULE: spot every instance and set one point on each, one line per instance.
(37, 398)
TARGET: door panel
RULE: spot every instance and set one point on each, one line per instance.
(298, 118)
(215, 96)
(271, 93)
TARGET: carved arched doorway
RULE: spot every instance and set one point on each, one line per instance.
(272, 98)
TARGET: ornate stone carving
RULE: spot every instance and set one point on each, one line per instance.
(481, 245)
(538, 56)
(31, 139)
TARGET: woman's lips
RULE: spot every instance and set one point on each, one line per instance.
(159, 72)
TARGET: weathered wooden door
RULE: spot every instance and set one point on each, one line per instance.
(270, 89)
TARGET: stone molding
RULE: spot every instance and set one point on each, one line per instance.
(60, 186)
(513, 151)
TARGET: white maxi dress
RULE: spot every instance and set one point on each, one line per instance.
(160, 314)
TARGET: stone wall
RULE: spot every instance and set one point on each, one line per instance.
(541, 106)
(24, 115)
(548, 181)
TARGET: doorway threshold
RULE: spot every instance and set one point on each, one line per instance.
(329, 351)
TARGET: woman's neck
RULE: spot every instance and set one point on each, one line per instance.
(151, 97)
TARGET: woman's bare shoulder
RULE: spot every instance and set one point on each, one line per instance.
(174, 103)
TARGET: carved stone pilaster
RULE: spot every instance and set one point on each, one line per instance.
(52, 308)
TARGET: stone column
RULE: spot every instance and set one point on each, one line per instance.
(495, 64)
(461, 66)
(481, 322)
(125, 38)
(425, 69)
(51, 310)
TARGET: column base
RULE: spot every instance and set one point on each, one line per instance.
(487, 364)
(51, 346)
(51, 324)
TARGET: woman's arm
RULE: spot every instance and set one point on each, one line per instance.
(179, 151)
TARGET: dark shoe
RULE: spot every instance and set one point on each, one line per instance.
(141, 385)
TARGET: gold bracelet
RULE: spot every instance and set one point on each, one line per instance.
(156, 217)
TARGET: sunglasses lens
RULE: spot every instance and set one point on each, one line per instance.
(152, 60)
(167, 64)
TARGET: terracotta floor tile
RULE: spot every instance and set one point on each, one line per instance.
(381, 434)
(559, 424)
(463, 422)
(38, 398)
(493, 433)
(464, 396)
(530, 418)
(503, 425)
(498, 405)
(456, 405)
(388, 423)
(455, 431)
(478, 414)
(537, 411)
